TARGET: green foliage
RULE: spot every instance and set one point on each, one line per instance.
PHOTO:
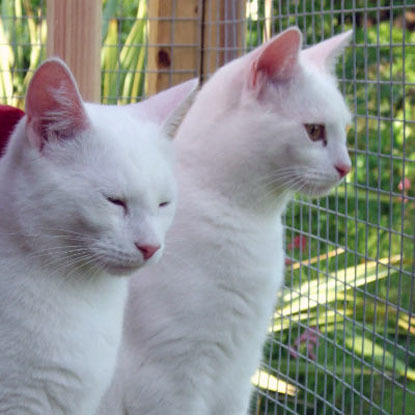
(124, 53)
(22, 40)
(22, 48)
(360, 301)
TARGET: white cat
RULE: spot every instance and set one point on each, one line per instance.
(87, 195)
(263, 127)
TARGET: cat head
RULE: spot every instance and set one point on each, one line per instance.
(92, 186)
(276, 111)
(299, 87)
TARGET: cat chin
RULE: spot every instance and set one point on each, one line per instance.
(319, 191)
(122, 270)
(126, 270)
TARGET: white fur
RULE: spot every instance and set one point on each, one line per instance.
(195, 322)
(63, 246)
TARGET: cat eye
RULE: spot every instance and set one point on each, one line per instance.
(164, 204)
(316, 132)
(119, 202)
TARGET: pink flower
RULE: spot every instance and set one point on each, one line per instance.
(310, 337)
(299, 241)
(404, 187)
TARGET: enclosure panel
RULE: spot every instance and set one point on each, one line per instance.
(74, 34)
(224, 28)
(23, 32)
(173, 48)
(343, 334)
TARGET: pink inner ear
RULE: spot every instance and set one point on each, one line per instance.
(53, 103)
(325, 53)
(278, 57)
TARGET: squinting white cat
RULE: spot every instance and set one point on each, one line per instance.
(263, 127)
(87, 195)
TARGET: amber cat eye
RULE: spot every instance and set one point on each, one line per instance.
(316, 132)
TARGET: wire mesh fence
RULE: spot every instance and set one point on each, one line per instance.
(342, 339)
(343, 335)
(22, 46)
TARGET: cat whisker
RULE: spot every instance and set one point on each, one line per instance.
(73, 260)
(91, 264)
(289, 185)
(57, 250)
(276, 176)
(56, 253)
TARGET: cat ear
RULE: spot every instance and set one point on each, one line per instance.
(325, 53)
(54, 107)
(168, 108)
(175, 118)
(277, 59)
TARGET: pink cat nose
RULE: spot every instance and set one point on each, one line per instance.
(343, 169)
(147, 250)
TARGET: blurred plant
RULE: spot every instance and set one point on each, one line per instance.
(359, 296)
(123, 60)
(404, 186)
(299, 242)
(22, 39)
(23, 34)
(309, 338)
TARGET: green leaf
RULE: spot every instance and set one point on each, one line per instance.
(109, 62)
(316, 292)
(367, 348)
(6, 63)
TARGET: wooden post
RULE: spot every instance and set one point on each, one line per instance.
(267, 33)
(173, 47)
(224, 33)
(74, 34)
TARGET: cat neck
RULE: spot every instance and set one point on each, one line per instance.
(218, 149)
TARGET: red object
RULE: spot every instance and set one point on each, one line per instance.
(299, 241)
(9, 117)
(310, 337)
(405, 185)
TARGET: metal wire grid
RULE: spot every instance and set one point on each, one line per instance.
(214, 42)
(343, 337)
(22, 46)
(121, 45)
(222, 18)
(119, 19)
(350, 347)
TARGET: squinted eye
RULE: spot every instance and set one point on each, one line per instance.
(119, 202)
(316, 132)
(164, 204)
